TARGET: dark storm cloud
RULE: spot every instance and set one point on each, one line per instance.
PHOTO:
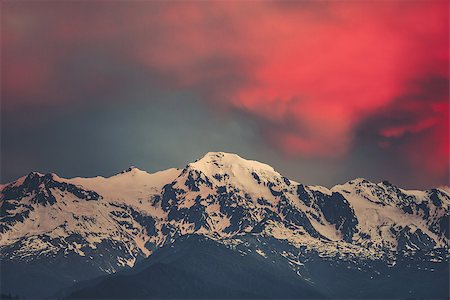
(411, 136)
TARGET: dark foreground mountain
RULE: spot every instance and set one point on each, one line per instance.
(197, 267)
(222, 227)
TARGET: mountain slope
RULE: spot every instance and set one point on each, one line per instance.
(81, 228)
(197, 267)
(201, 268)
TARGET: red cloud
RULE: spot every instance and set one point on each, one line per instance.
(418, 128)
(399, 131)
(310, 72)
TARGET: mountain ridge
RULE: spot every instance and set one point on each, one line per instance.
(110, 224)
(445, 188)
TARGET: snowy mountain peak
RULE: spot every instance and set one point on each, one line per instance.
(359, 181)
(35, 174)
(213, 161)
(132, 170)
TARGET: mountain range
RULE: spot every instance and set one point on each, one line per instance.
(221, 227)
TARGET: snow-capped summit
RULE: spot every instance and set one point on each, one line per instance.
(225, 169)
(131, 169)
(222, 161)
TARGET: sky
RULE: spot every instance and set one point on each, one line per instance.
(324, 91)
